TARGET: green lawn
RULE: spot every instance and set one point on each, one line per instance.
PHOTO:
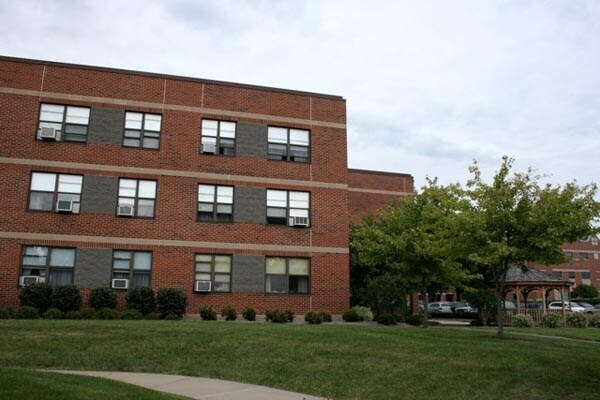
(592, 334)
(32, 385)
(340, 361)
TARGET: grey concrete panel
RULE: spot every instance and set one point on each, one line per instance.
(99, 194)
(251, 140)
(106, 126)
(250, 205)
(248, 273)
(93, 267)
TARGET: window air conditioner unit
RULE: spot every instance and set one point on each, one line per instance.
(48, 133)
(202, 286)
(209, 148)
(298, 221)
(120, 284)
(29, 279)
(64, 206)
(125, 210)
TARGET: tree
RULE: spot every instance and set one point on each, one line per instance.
(420, 241)
(584, 291)
(516, 220)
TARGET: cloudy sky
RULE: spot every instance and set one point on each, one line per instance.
(430, 85)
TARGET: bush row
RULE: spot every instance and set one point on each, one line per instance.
(554, 320)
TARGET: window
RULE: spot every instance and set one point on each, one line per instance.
(568, 255)
(52, 264)
(132, 265)
(557, 274)
(71, 122)
(283, 204)
(218, 137)
(138, 194)
(52, 192)
(585, 275)
(215, 203)
(288, 144)
(286, 275)
(571, 274)
(214, 268)
(583, 256)
(142, 130)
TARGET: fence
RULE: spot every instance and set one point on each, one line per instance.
(536, 315)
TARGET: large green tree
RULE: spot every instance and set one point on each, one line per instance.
(420, 240)
(516, 219)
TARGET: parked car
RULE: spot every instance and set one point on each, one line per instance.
(461, 307)
(588, 308)
(509, 305)
(570, 306)
(439, 306)
(533, 306)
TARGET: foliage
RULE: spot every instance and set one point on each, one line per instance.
(313, 317)
(152, 316)
(6, 313)
(132, 315)
(171, 300)
(484, 299)
(351, 316)
(171, 316)
(66, 298)
(208, 313)
(38, 295)
(522, 321)
(584, 291)
(516, 219)
(90, 313)
(108, 314)
(387, 319)
(552, 320)
(103, 297)
(53, 313)
(364, 313)
(577, 320)
(73, 315)
(229, 313)
(386, 294)
(27, 312)
(415, 319)
(141, 298)
(249, 314)
(279, 316)
(325, 316)
(594, 320)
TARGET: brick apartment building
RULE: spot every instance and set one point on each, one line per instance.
(239, 195)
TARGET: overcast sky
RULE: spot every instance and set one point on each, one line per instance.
(430, 85)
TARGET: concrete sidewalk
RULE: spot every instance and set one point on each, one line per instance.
(195, 388)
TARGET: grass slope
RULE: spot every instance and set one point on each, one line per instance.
(343, 362)
(27, 385)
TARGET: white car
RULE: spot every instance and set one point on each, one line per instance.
(439, 306)
(569, 306)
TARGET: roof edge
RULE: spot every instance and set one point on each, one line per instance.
(165, 76)
(374, 172)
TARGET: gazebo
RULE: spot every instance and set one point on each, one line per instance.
(524, 282)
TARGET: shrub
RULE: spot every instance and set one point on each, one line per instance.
(279, 316)
(171, 301)
(172, 317)
(152, 316)
(6, 313)
(103, 297)
(108, 313)
(325, 316)
(249, 314)
(66, 298)
(415, 319)
(53, 313)
(364, 313)
(132, 314)
(208, 313)
(27, 312)
(90, 313)
(594, 320)
(583, 291)
(313, 317)
(351, 316)
(386, 294)
(476, 322)
(73, 315)
(522, 321)
(577, 320)
(38, 295)
(433, 323)
(386, 319)
(141, 298)
(551, 320)
(229, 313)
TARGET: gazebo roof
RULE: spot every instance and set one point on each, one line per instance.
(516, 274)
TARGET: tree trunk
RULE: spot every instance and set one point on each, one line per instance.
(500, 309)
(425, 303)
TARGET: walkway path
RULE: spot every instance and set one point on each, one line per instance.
(196, 388)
